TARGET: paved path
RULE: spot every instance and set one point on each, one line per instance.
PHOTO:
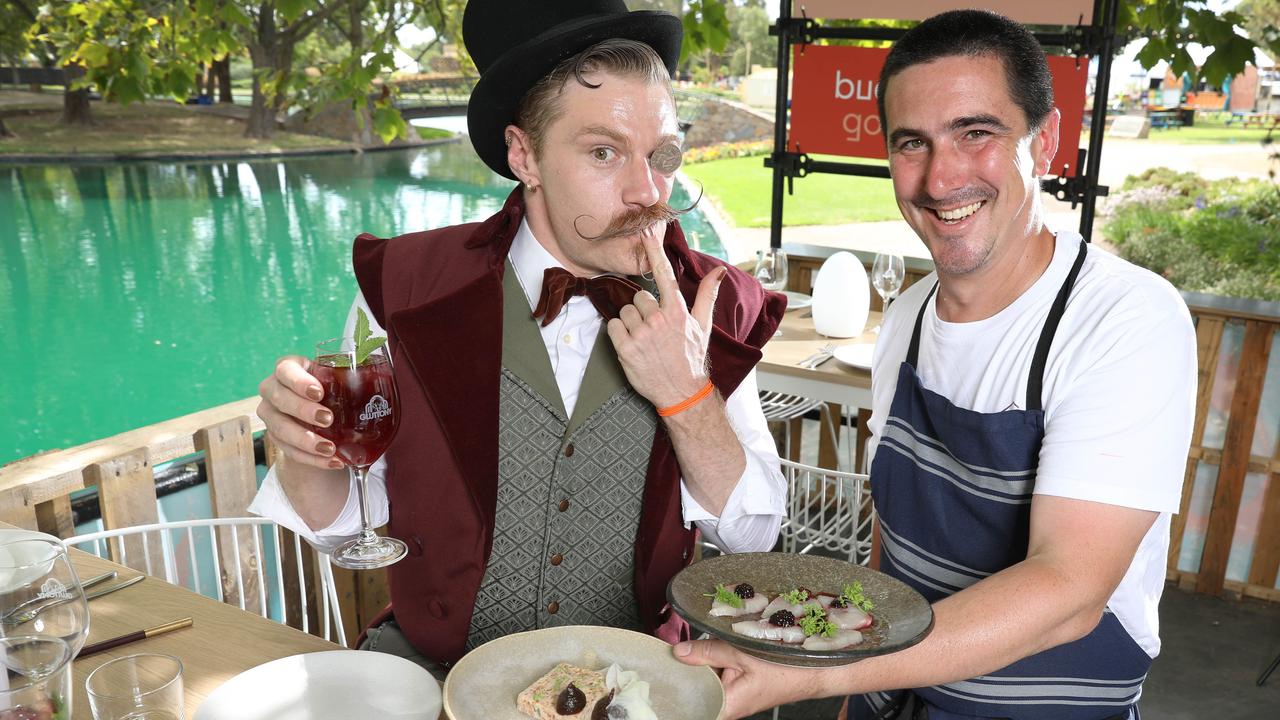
(1120, 158)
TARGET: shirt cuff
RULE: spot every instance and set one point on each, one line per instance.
(273, 503)
(752, 514)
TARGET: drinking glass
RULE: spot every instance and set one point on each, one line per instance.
(147, 686)
(887, 273)
(40, 593)
(362, 397)
(771, 271)
(37, 678)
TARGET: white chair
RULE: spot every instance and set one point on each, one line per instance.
(827, 509)
(233, 573)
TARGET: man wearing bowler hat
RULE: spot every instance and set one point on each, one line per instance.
(576, 385)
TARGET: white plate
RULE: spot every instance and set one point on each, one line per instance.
(336, 685)
(485, 683)
(796, 301)
(857, 355)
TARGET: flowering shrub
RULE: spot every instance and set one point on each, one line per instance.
(727, 150)
(1220, 237)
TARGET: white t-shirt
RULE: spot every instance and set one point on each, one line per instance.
(1119, 393)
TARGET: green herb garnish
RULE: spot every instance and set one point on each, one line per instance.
(726, 596)
(365, 345)
(853, 593)
(795, 597)
(815, 622)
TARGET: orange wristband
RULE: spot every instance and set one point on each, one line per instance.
(692, 400)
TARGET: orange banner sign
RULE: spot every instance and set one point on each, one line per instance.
(833, 103)
(1059, 12)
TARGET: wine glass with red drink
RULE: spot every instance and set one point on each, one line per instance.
(360, 389)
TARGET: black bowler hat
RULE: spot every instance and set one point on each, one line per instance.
(515, 43)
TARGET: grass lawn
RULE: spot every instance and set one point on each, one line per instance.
(153, 127)
(743, 187)
(1210, 130)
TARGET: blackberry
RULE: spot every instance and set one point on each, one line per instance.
(744, 591)
(782, 618)
(571, 701)
(841, 602)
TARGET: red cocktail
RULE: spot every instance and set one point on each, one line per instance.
(363, 401)
(360, 389)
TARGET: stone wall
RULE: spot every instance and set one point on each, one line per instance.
(720, 121)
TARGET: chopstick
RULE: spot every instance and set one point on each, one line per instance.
(133, 636)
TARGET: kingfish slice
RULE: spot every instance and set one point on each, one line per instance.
(764, 630)
(839, 641)
(750, 606)
(780, 603)
(850, 618)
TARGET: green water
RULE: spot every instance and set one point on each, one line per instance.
(133, 293)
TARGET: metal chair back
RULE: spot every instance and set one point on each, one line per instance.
(222, 558)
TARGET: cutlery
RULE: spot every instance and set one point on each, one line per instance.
(113, 588)
(24, 611)
(133, 637)
(819, 357)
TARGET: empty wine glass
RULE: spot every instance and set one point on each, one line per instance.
(887, 273)
(40, 593)
(771, 271)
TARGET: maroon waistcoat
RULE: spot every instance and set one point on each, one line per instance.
(439, 296)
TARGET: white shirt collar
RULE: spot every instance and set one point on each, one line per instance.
(530, 260)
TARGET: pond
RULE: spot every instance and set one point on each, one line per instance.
(137, 292)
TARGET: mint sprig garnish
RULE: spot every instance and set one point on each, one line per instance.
(726, 596)
(365, 345)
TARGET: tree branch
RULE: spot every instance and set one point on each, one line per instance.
(304, 25)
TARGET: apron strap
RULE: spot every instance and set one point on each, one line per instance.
(913, 352)
(1035, 382)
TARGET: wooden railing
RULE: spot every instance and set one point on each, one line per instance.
(35, 493)
(1226, 538)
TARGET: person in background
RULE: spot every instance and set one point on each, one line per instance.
(1032, 410)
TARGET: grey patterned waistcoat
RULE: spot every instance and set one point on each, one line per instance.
(570, 490)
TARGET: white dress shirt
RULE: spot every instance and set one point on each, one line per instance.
(751, 516)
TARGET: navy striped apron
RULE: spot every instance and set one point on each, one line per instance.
(952, 489)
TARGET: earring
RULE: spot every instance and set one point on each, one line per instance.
(509, 139)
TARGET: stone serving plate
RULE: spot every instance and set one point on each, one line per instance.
(485, 682)
(902, 616)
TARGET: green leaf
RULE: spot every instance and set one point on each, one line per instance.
(291, 9)
(389, 123)
(365, 345)
(853, 593)
(726, 596)
(815, 622)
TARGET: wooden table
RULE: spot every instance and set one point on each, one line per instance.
(833, 381)
(222, 642)
(838, 384)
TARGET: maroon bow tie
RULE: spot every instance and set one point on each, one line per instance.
(609, 293)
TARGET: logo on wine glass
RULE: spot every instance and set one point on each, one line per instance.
(53, 588)
(376, 408)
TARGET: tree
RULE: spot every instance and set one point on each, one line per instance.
(1170, 25)
(749, 28)
(128, 49)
